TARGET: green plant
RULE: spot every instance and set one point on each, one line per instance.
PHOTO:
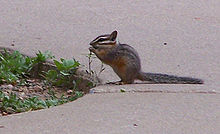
(12, 104)
(54, 100)
(122, 90)
(16, 66)
(42, 57)
(61, 76)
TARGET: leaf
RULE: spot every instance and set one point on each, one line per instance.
(42, 57)
(64, 73)
(52, 75)
(58, 65)
(68, 64)
(122, 90)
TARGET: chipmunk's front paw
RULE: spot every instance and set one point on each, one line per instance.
(92, 49)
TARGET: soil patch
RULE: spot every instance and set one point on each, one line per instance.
(36, 86)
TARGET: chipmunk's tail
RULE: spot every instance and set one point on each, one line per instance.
(167, 79)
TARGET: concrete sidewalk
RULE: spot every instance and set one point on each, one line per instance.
(191, 30)
(123, 113)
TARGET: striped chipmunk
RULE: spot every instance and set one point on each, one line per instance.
(126, 63)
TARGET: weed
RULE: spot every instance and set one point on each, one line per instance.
(90, 57)
(12, 104)
(15, 66)
(42, 57)
(61, 76)
(122, 90)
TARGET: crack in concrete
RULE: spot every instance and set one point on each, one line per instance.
(157, 91)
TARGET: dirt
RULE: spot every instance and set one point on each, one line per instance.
(34, 87)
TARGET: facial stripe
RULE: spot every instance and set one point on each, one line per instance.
(101, 38)
(107, 42)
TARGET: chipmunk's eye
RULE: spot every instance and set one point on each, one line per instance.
(102, 39)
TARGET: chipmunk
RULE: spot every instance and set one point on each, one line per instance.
(126, 63)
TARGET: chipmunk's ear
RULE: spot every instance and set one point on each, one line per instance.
(113, 35)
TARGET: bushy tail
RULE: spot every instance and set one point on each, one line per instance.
(169, 79)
